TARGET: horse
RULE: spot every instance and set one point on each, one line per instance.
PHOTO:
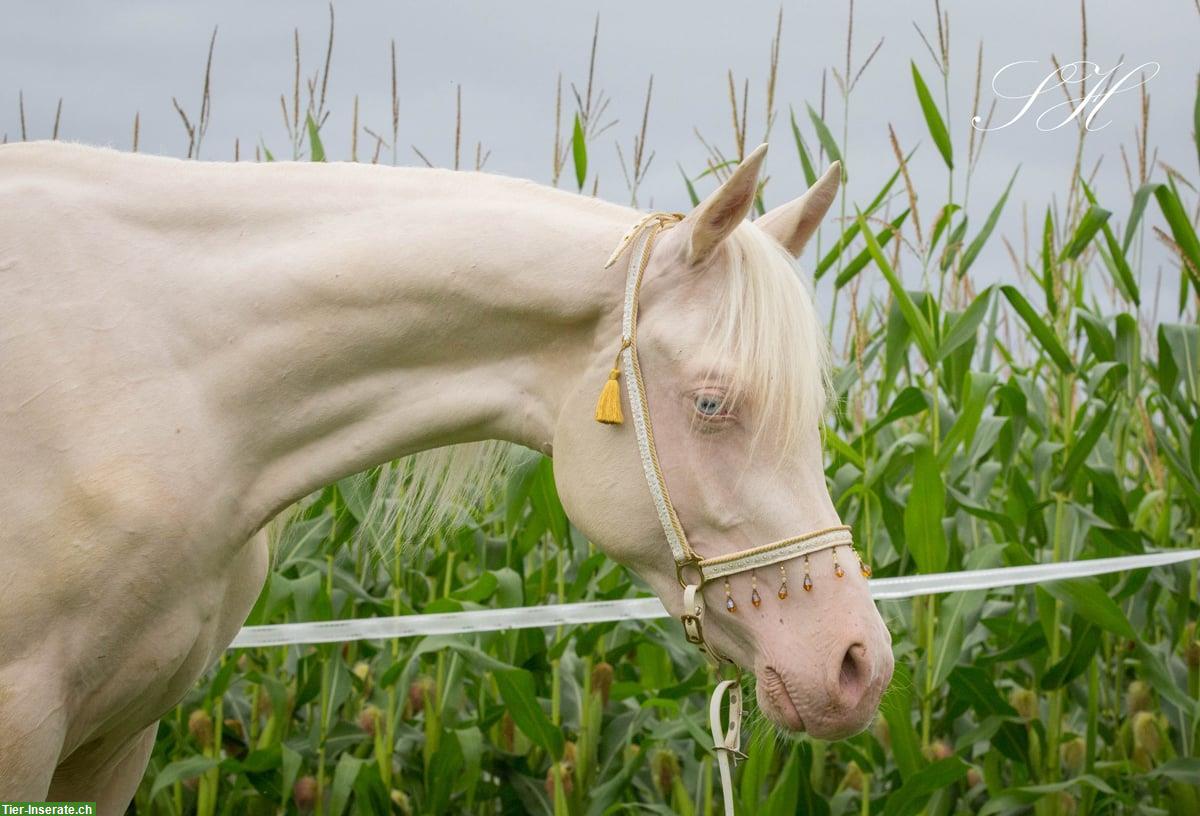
(188, 348)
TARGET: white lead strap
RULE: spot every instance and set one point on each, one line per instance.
(727, 744)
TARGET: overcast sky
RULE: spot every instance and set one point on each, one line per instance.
(108, 61)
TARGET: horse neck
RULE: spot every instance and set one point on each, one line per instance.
(389, 312)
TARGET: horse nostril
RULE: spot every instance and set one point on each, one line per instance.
(853, 678)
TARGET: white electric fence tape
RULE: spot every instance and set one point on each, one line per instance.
(530, 617)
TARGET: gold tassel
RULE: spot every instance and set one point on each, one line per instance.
(608, 407)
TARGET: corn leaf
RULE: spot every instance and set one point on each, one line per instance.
(908, 402)
(1089, 225)
(1182, 230)
(1114, 260)
(344, 777)
(181, 770)
(1183, 769)
(850, 233)
(691, 190)
(912, 316)
(1196, 121)
(977, 386)
(316, 149)
(827, 141)
(1049, 265)
(923, 534)
(863, 258)
(579, 153)
(939, 225)
(981, 237)
(1088, 599)
(1079, 656)
(896, 708)
(520, 699)
(917, 789)
(810, 175)
(1140, 198)
(933, 117)
(965, 327)
(1082, 445)
(953, 244)
(1049, 341)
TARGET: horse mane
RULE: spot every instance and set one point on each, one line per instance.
(765, 326)
(426, 493)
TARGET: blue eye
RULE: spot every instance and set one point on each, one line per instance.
(709, 405)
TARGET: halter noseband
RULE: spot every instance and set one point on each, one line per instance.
(691, 569)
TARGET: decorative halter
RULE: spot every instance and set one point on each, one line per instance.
(691, 569)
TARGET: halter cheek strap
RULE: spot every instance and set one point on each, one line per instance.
(692, 570)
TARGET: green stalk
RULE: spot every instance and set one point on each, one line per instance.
(1192, 738)
(1093, 716)
(560, 795)
(927, 698)
(555, 668)
(544, 587)
(1055, 708)
(589, 717)
(384, 756)
(202, 793)
(928, 632)
(323, 722)
(706, 770)
(440, 673)
(218, 725)
(820, 751)
(255, 702)
(177, 788)
(1054, 726)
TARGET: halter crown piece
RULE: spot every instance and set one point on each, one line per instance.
(692, 570)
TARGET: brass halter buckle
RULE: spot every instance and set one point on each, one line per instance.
(693, 630)
(693, 627)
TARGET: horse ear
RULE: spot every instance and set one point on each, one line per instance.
(718, 215)
(792, 224)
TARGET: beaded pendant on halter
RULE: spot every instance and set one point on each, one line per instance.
(808, 585)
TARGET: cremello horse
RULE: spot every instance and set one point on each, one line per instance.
(187, 348)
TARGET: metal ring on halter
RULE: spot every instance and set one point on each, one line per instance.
(693, 563)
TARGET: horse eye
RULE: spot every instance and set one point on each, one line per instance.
(708, 405)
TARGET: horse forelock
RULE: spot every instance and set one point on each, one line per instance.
(767, 333)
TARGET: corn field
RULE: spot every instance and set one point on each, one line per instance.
(1023, 414)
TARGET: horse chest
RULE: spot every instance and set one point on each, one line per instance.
(126, 574)
(168, 633)
(128, 601)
